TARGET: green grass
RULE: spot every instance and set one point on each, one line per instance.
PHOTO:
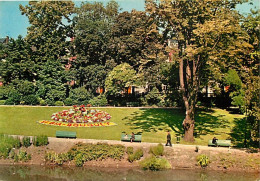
(153, 123)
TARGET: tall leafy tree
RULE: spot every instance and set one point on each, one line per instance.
(209, 39)
(50, 26)
(93, 25)
(15, 61)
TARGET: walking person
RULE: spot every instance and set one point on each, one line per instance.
(132, 137)
(168, 139)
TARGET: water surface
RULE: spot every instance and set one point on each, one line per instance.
(41, 173)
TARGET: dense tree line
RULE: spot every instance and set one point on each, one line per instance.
(113, 50)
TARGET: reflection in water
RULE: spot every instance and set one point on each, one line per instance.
(38, 173)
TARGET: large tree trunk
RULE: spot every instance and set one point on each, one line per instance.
(188, 98)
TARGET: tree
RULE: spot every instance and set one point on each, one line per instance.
(251, 79)
(209, 39)
(92, 31)
(47, 38)
(120, 78)
(15, 62)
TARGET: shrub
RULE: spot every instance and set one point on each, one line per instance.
(30, 100)
(40, 140)
(153, 163)
(79, 160)
(12, 154)
(135, 156)
(203, 160)
(100, 100)
(80, 95)
(153, 97)
(13, 98)
(6, 144)
(23, 156)
(157, 150)
(129, 150)
(42, 102)
(26, 142)
(81, 153)
(59, 103)
(58, 159)
(2, 102)
(68, 102)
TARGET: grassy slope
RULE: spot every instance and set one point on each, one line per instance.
(153, 123)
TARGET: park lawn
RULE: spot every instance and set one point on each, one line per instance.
(151, 122)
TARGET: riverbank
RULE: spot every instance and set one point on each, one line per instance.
(180, 156)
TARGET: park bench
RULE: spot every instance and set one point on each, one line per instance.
(138, 138)
(224, 143)
(65, 134)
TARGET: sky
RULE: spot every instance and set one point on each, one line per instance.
(12, 23)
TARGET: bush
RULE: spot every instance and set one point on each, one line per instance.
(203, 160)
(26, 142)
(59, 103)
(153, 97)
(23, 156)
(58, 159)
(100, 100)
(42, 102)
(153, 163)
(30, 100)
(2, 102)
(157, 150)
(136, 155)
(79, 160)
(129, 150)
(80, 95)
(81, 153)
(6, 144)
(68, 102)
(13, 98)
(40, 140)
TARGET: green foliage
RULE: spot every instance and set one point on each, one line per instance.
(59, 103)
(80, 96)
(129, 150)
(23, 156)
(157, 150)
(203, 160)
(233, 80)
(153, 97)
(81, 153)
(30, 100)
(136, 155)
(121, 77)
(79, 161)
(40, 140)
(58, 159)
(26, 141)
(42, 102)
(7, 143)
(13, 98)
(12, 154)
(100, 100)
(2, 102)
(68, 102)
(153, 163)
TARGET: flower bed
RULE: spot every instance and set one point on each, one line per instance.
(81, 114)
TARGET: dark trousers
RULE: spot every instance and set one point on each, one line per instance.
(168, 143)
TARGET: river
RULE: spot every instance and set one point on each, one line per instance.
(42, 173)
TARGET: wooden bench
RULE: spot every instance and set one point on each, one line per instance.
(225, 143)
(65, 134)
(138, 138)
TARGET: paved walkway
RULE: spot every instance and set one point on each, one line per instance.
(144, 144)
